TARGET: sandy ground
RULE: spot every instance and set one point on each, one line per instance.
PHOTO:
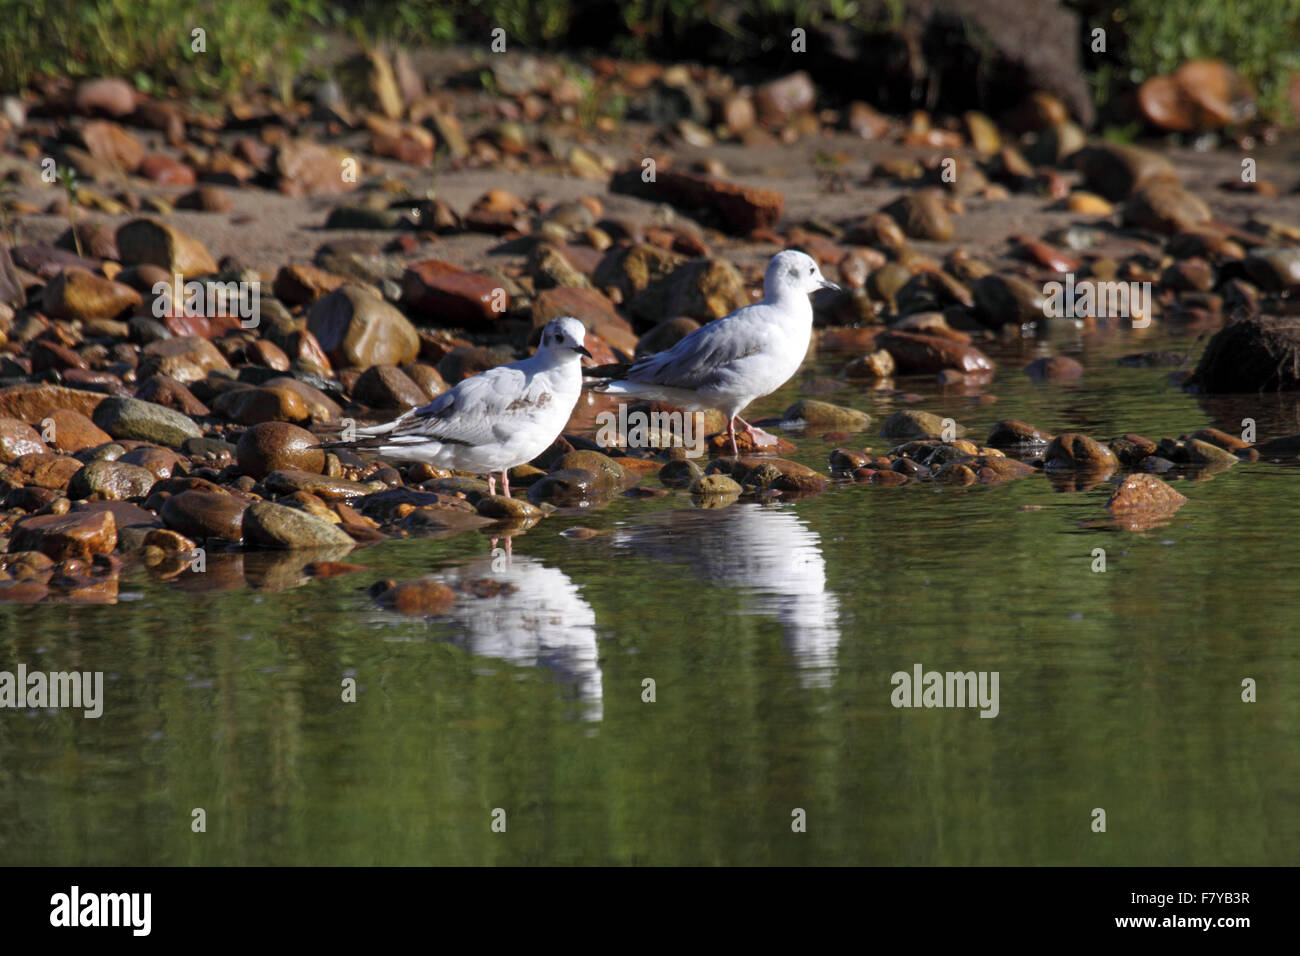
(266, 229)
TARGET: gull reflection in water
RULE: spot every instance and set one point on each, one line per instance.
(767, 552)
(543, 622)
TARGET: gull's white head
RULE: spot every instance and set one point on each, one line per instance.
(794, 271)
(562, 339)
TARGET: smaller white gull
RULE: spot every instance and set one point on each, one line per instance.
(730, 362)
(495, 420)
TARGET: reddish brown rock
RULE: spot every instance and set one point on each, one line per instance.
(740, 209)
(305, 168)
(993, 469)
(1144, 496)
(419, 598)
(77, 534)
(778, 101)
(185, 358)
(273, 446)
(922, 215)
(439, 293)
(40, 471)
(1054, 368)
(1165, 207)
(150, 241)
(206, 199)
(319, 405)
(916, 353)
(385, 386)
(105, 96)
(1012, 433)
(303, 284)
(110, 143)
(1071, 451)
(169, 393)
(1225, 441)
(1117, 170)
(17, 438)
(404, 142)
(205, 514)
(1201, 94)
(303, 347)
(77, 294)
(356, 327)
(166, 171)
(251, 406)
(595, 310)
(159, 462)
(32, 403)
(47, 355)
(72, 431)
(1132, 450)
(23, 591)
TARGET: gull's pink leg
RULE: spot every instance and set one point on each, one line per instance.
(492, 484)
(756, 435)
(731, 431)
(505, 483)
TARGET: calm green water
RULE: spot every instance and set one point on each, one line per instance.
(770, 631)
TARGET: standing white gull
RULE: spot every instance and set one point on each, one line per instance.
(728, 363)
(495, 420)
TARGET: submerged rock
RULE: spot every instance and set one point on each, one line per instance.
(919, 353)
(908, 424)
(1011, 433)
(823, 415)
(1071, 451)
(419, 598)
(716, 485)
(1143, 499)
(569, 488)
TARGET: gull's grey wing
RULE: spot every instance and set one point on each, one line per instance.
(479, 410)
(705, 358)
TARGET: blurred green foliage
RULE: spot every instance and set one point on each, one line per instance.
(154, 42)
(1145, 38)
(271, 41)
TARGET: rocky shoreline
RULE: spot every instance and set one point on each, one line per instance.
(173, 352)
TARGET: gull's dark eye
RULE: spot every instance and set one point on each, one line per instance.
(812, 270)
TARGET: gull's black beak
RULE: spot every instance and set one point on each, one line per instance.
(582, 350)
(827, 284)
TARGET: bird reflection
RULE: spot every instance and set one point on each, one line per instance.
(766, 551)
(540, 620)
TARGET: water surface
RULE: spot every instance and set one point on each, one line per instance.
(770, 632)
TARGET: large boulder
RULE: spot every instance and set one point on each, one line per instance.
(1252, 355)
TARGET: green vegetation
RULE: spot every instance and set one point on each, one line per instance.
(271, 41)
(155, 42)
(1261, 38)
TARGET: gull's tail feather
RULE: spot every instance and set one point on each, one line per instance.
(370, 437)
(609, 373)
